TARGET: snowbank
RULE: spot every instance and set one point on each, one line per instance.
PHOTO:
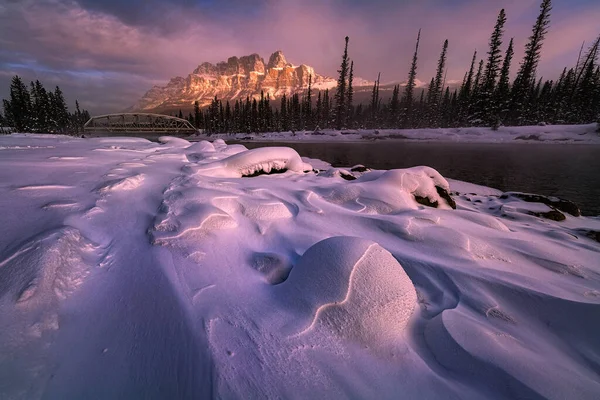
(142, 270)
(573, 134)
(256, 161)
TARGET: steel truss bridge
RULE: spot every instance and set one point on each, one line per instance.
(138, 122)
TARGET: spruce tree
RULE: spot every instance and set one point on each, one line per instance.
(319, 112)
(196, 114)
(308, 113)
(340, 94)
(18, 108)
(408, 99)
(285, 124)
(493, 62)
(350, 96)
(375, 102)
(525, 79)
(326, 110)
(488, 107)
(437, 93)
(394, 107)
(502, 93)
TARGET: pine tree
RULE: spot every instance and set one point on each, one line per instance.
(319, 112)
(40, 107)
(525, 79)
(350, 96)
(308, 113)
(394, 107)
(586, 86)
(439, 75)
(474, 115)
(493, 62)
(340, 94)
(197, 114)
(467, 85)
(18, 108)
(326, 110)
(407, 99)
(488, 107)
(375, 102)
(465, 93)
(285, 124)
(502, 93)
(435, 90)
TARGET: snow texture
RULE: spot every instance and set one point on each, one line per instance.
(557, 134)
(132, 269)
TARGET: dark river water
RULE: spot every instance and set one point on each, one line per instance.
(571, 172)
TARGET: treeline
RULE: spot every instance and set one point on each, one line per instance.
(486, 97)
(36, 109)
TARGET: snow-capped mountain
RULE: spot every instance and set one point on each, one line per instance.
(234, 79)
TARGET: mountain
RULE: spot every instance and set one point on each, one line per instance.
(234, 79)
(245, 76)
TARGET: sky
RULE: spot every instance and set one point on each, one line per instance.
(108, 53)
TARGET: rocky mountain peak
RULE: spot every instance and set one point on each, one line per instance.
(235, 79)
(277, 60)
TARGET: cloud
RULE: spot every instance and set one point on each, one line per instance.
(108, 53)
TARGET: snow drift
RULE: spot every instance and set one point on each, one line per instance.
(131, 269)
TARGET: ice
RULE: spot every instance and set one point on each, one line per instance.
(132, 269)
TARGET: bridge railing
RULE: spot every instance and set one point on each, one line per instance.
(138, 122)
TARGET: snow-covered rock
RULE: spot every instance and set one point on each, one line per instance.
(250, 162)
(355, 289)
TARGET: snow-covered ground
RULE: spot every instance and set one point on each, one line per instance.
(572, 134)
(132, 269)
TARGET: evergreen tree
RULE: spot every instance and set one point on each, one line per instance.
(197, 115)
(375, 103)
(18, 108)
(586, 87)
(407, 100)
(489, 107)
(326, 110)
(319, 112)
(502, 92)
(394, 107)
(40, 104)
(340, 94)
(285, 123)
(525, 79)
(437, 92)
(350, 95)
(465, 93)
(308, 117)
(493, 62)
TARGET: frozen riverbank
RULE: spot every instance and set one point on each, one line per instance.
(135, 269)
(572, 134)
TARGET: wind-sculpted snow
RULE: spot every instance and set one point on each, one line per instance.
(354, 289)
(250, 162)
(131, 269)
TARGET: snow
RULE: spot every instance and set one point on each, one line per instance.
(557, 134)
(249, 162)
(132, 269)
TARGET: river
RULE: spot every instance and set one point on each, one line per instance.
(567, 171)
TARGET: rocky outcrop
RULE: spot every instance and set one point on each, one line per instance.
(230, 80)
(553, 202)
